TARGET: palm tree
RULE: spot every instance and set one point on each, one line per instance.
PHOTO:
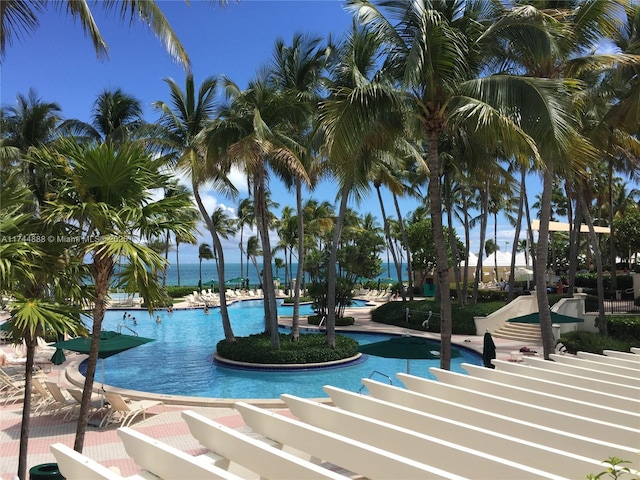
(245, 217)
(42, 277)
(564, 35)
(114, 117)
(19, 18)
(177, 136)
(253, 133)
(439, 56)
(296, 71)
(204, 253)
(30, 123)
(96, 184)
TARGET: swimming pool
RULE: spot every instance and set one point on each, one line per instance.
(180, 360)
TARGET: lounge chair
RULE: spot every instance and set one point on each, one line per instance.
(11, 390)
(97, 402)
(44, 401)
(61, 402)
(124, 411)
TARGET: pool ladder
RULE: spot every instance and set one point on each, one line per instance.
(376, 372)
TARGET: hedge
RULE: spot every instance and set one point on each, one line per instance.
(310, 348)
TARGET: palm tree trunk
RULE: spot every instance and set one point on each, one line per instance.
(268, 288)
(541, 265)
(103, 266)
(439, 241)
(602, 319)
(26, 410)
(295, 323)
(453, 242)
(484, 202)
(387, 234)
(178, 259)
(407, 247)
(331, 269)
(516, 236)
(217, 245)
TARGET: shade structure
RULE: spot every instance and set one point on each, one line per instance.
(488, 350)
(411, 348)
(211, 283)
(111, 343)
(237, 280)
(555, 318)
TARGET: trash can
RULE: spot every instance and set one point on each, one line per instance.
(45, 471)
(618, 294)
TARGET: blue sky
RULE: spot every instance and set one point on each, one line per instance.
(59, 62)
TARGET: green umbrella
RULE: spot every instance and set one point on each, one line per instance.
(555, 318)
(408, 347)
(488, 350)
(111, 343)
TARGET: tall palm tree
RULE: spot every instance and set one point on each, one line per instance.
(296, 71)
(204, 253)
(440, 57)
(96, 184)
(552, 40)
(114, 117)
(42, 277)
(355, 135)
(245, 218)
(31, 123)
(177, 135)
(253, 133)
(19, 18)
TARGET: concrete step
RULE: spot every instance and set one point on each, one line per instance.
(526, 332)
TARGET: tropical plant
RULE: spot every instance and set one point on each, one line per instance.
(204, 253)
(177, 136)
(252, 132)
(104, 195)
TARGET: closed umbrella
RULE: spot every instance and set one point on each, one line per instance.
(488, 350)
(408, 347)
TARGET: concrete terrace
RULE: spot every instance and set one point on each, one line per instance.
(167, 423)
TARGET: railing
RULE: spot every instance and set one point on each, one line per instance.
(376, 372)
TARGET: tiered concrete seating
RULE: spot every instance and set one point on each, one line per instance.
(622, 355)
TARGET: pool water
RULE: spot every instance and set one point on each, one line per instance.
(180, 360)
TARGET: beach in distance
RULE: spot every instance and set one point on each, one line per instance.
(189, 273)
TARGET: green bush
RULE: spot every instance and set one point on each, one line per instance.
(394, 313)
(340, 321)
(591, 342)
(179, 292)
(624, 327)
(310, 348)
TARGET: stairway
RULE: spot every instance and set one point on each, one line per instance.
(524, 332)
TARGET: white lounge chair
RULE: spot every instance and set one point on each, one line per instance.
(96, 405)
(124, 411)
(61, 402)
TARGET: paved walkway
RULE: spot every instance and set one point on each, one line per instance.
(164, 422)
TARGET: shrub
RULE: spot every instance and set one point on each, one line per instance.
(583, 341)
(310, 348)
(624, 327)
(178, 292)
(394, 313)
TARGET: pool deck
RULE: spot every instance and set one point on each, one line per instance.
(163, 422)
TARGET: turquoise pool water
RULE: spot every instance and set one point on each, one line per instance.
(180, 362)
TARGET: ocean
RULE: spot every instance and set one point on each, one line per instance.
(189, 273)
